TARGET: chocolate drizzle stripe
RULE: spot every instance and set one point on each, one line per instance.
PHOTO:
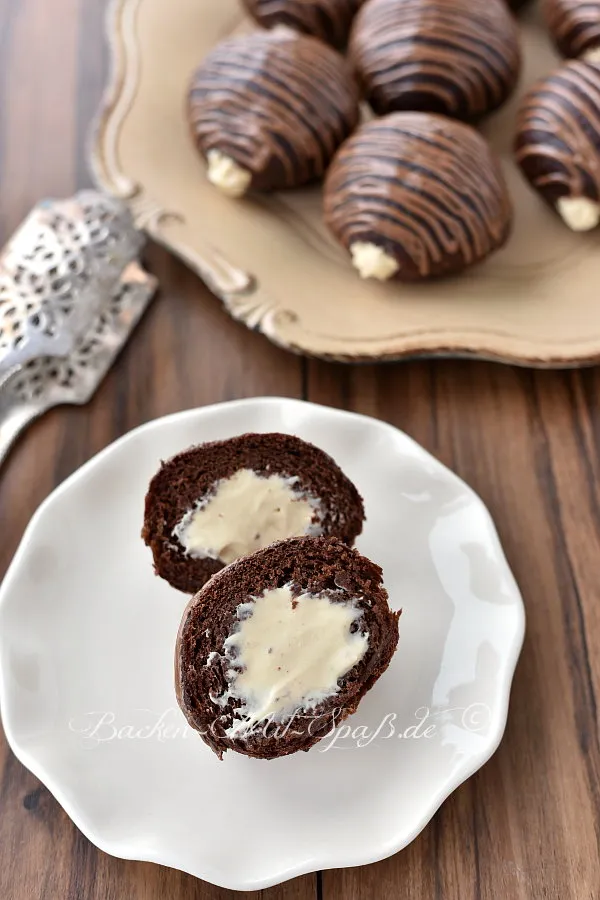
(329, 20)
(449, 165)
(318, 83)
(233, 81)
(433, 220)
(575, 24)
(277, 103)
(446, 200)
(322, 144)
(454, 196)
(558, 127)
(456, 56)
(322, 70)
(452, 39)
(450, 203)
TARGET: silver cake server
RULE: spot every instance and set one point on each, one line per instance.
(71, 292)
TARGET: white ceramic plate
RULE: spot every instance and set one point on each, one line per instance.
(86, 664)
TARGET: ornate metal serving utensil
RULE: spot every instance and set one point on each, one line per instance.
(71, 293)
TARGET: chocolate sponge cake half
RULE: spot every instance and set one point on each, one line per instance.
(216, 502)
(281, 646)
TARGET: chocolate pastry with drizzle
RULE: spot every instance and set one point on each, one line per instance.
(558, 142)
(416, 195)
(328, 20)
(268, 110)
(460, 58)
(575, 27)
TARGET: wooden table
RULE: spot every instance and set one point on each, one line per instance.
(528, 824)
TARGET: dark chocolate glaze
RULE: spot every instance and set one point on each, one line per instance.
(328, 20)
(574, 24)
(558, 133)
(276, 102)
(460, 58)
(428, 190)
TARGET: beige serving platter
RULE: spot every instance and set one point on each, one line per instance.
(271, 260)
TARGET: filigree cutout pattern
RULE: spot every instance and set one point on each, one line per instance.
(48, 381)
(55, 274)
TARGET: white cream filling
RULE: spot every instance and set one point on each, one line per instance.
(372, 261)
(579, 213)
(245, 513)
(591, 55)
(288, 653)
(227, 175)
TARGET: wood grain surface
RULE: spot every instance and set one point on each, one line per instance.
(528, 824)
